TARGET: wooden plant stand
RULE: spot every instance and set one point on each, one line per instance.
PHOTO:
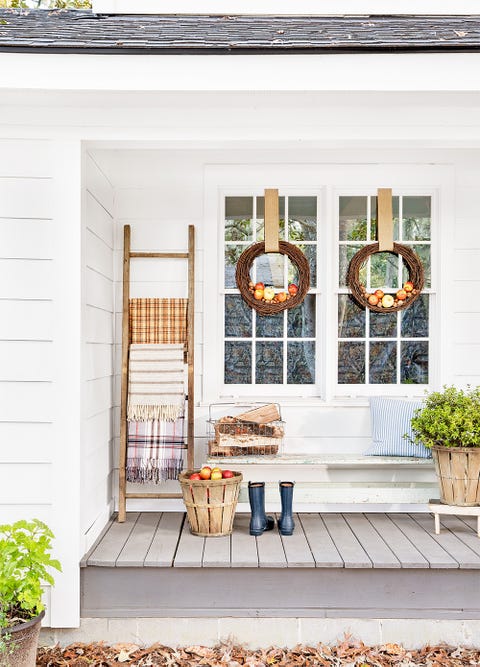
(437, 508)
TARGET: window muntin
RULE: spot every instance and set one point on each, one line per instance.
(278, 350)
(383, 348)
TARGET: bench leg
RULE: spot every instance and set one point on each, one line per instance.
(437, 524)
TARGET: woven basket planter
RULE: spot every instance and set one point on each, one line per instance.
(242, 276)
(458, 472)
(210, 503)
(416, 276)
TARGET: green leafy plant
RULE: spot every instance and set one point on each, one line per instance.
(449, 418)
(25, 560)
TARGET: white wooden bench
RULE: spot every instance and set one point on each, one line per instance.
(341, 482)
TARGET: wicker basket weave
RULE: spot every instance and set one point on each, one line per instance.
(210, 503)
(458, 472)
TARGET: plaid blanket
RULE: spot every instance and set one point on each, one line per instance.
(158, 320)
(156, 382)
(155, 450)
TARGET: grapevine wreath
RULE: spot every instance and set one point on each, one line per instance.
(377, 300)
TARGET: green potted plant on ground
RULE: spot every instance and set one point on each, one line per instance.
(449, 424)
(25, 561)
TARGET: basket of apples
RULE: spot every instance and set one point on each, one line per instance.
(210, 496)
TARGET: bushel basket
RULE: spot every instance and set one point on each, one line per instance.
(210, 503)
(458, 472)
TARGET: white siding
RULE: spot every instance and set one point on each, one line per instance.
(97, 351)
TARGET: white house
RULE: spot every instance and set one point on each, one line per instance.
(163, 121)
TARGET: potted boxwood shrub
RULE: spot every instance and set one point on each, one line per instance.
(25, 548)
(449, 423)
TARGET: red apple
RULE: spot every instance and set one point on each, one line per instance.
(292, 289)
(227, 474)
(259, 286)
(195, 476)
(281, 296)
(373, 299)
(258, 294)
(401, 295)
(380, 293)
(408, 287)
(205, 472)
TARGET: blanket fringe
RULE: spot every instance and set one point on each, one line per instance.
(143, 472)
(143, 413)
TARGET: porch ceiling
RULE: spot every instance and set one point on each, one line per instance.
(79, 31)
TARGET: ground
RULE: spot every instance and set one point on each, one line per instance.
(349, 653)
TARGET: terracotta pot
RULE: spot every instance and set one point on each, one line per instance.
(22, 646)
(458, 472)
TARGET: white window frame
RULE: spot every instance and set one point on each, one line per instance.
(328, 182)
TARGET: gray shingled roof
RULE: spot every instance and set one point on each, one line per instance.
(79, 31)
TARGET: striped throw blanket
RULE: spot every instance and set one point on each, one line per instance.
(158, 320)
(155, 450)
(156, 382)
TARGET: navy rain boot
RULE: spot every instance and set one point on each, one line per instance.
(259, 521)
(286, 523)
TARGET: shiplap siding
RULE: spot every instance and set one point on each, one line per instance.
(98, 350)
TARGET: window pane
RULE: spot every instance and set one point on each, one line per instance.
(232, 254)
(269, 363)
(396, 215)
(351, 363)
(269, 269)
(238, 362)
(384, 270)
(383, 325)
(353, 219)
(415, 318)
(301, 320)
(269, 326)
(423, 252)
(310, 252)
(302, 218)
(383, 363)
(414, 362)
(260, 225)
(238, 317)
(238, 218)
(351, 318)
(301, 362)
(416, 218)
(346, 252)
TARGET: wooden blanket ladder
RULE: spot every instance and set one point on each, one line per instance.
(128, 255)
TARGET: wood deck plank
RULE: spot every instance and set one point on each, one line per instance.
(243, 546)
(462, 531)
(138, 543)
(404, 550)
(217, 552)
(430, 549)
(470, 521)
(108, 550)
(296, 547)
(350, 549)
(321, 544)
(270, 549)
(165, 541)
(190, 549)
(378, 551)
(452, 544)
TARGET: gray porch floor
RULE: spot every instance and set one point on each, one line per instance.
(319, 541)
(334, 565)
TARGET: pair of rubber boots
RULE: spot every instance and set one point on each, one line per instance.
(259, 521)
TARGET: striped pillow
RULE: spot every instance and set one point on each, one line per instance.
(391, 420)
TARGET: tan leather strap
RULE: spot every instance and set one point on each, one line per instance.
(271, 220)
(384, 219)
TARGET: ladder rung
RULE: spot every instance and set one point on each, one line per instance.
(161, 255)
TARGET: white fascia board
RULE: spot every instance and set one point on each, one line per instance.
(331, 72)
(287, 7)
